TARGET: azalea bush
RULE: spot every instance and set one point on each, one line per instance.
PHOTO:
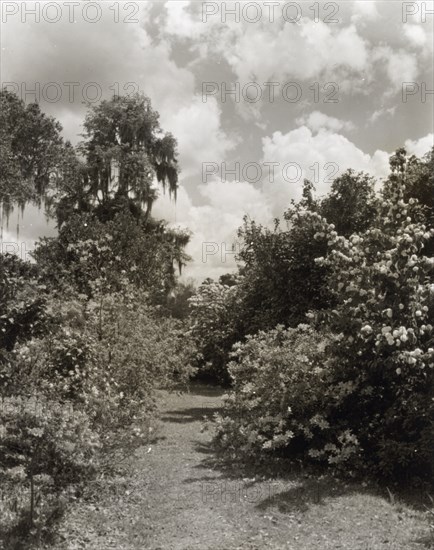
(94, 373)
(103, 352)
(108, 353)
(45, 447)
(22, 313)
(133, 352)
(277, 399)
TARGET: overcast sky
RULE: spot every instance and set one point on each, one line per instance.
(336, 71)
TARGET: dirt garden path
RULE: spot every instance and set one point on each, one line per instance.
(175, 498)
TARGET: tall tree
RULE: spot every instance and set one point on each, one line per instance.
(125, 151)
(31, 148)
(102, 199)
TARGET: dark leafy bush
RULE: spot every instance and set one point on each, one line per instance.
(45, 446)
(214, 326)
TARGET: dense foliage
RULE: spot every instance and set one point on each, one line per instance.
(31, 149)
(354, 387)
(125, 152)
(277, 396)
(213, 325)
(324, 333)
(146, 252)
(85, 332)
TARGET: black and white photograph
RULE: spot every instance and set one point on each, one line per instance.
(216, 275)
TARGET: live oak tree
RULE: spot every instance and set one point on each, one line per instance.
(123, 154)
(31, 148)
(103, 196)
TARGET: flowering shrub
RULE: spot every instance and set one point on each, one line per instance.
(77, 327)
(367, 402)
(44, 447)
(22, 315)
(108, 353)
(381, 279)
(102, 356)
(133, 352)
(277, 402)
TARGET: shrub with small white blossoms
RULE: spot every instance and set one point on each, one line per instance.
(277, 397)
(382, 283)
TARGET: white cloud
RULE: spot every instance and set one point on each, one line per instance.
(183, 20)
(105, 53)
(420, 146)
(120, 53)
(364, 11)
(381, 112)
(400, 65)
(214, 225)
(415, 34)
(304, 51)
(199, 134)
(320, 158)
(270, 50)
(317, 120)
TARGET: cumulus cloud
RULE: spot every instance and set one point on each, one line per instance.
(401, 66)
(214, 224)
(305, 51)
(417, 27)
(420, 146)
(415, 34)
(287, 159)
(184, 19)
(317, 120)
(364, 11)
(271, 50)
(199, 134)
(318, 157)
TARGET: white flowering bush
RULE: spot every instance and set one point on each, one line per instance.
(277, 398)
(366, 402)
(107, 353)
(382, 282)
(76, 326)
(134, 350)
